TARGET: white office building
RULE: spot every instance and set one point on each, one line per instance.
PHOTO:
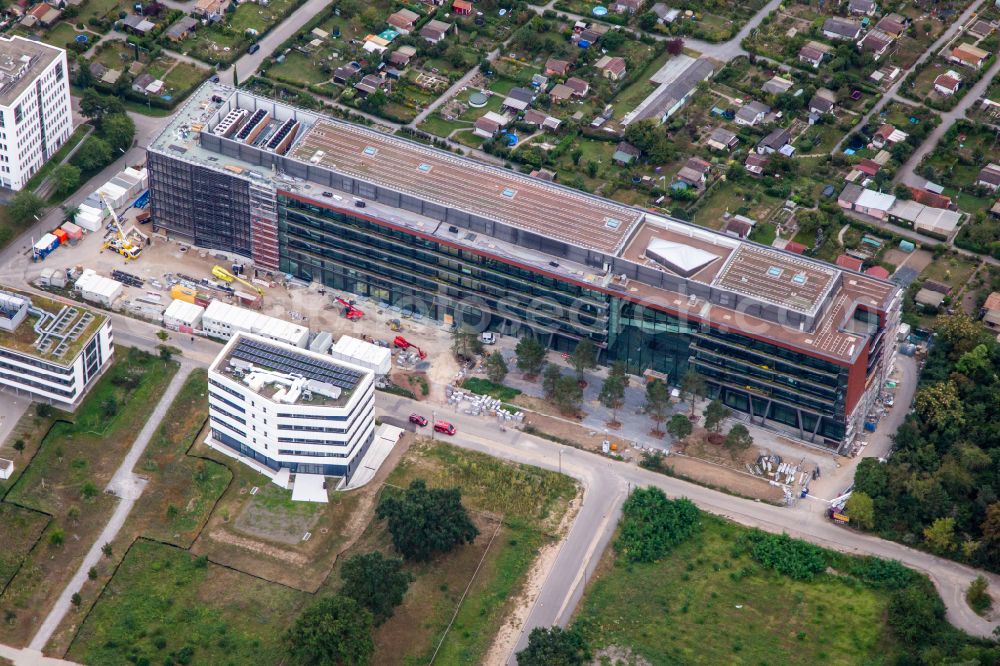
(35, 115)
(51, 351)
(287, 410)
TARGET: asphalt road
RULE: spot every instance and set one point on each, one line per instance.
(906, 173)
(606, 483)
(890, 94)
(247, 64)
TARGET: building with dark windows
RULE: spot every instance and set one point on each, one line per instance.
(800, 345)
(53, 352)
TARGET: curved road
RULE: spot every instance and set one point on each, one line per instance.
(606, 483)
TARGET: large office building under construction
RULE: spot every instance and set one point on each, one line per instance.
(798, 344)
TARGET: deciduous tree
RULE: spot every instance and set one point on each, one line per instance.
(530, 355)
(940, 535)
(550, 380)
(496, 368)
(657, 402)
(861, 509)
(568, 395)
(583, 358)
(692, 387)
(715, 414)
(738, 439)
(652, 525)
(612, 395)
(24, 207)
(679, 426)
(554, 646)
(376, 582)
(335, 630)
(424, 522)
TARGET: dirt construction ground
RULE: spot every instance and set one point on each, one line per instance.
(303, 304)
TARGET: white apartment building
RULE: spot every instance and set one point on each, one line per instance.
(51, 351)
(35, 114)
(286, 410)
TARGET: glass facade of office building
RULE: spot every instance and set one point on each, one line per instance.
(419, 276)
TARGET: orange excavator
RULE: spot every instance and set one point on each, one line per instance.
(402, 343)
(350, 311)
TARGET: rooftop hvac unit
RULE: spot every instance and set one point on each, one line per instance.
(285, 132)
(256, 119)
(317, 157)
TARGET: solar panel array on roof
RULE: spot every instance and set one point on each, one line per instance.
(282, 132)
(255, 120)
(276, 358)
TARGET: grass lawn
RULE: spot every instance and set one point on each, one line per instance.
(486, 387)
(732, 198)
(184, 77)
(705, 604)
(951, 270)
(297, 70)
(66, 476)
(115, 54)
(20, 528)
(164, 605)
(95, 9)
(435, 124)
(63, 33)
(183, 489)
(530, 501)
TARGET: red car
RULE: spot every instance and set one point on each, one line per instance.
(418, 419)
(445, 427)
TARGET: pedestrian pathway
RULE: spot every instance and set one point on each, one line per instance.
(128, 487)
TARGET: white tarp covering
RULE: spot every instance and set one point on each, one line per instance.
(358, 352)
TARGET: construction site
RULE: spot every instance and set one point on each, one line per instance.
(132, 269)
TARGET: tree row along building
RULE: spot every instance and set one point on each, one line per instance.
(800, 345)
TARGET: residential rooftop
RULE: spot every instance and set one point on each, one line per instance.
(794, 300)
(44, 328)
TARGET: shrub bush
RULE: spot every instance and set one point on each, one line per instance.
(652, 525)
(790, 557)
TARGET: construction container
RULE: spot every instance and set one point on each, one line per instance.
(115, 195)
(98, 289)
(61, 235)
(73, 232)
(89, 217)
(44, 246)
(183, 316)
(321, 342)
(181, 293)
(373, 357)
